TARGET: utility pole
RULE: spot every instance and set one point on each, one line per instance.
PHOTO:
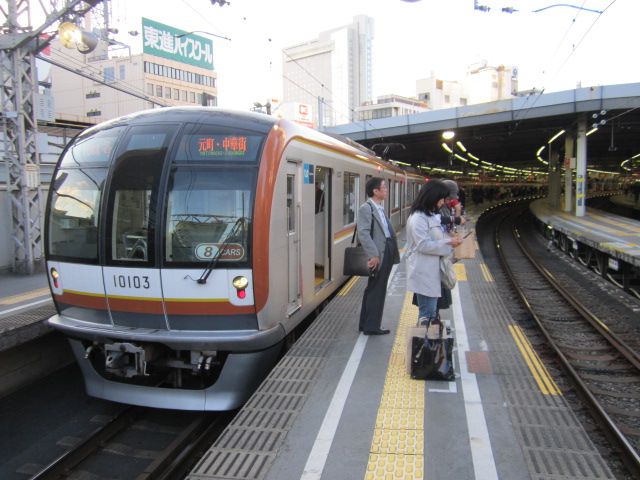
(19, 44)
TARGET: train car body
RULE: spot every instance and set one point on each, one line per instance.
(185, 244)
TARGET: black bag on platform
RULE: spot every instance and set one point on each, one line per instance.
(432, 358)
(356, 262)
(355, 258)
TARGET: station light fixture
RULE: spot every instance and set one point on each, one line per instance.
(72, 36)
(561, 132)
(448, 135)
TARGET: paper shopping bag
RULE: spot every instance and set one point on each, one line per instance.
(467, 249)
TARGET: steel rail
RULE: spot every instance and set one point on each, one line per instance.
(74, 456)
(629, 456)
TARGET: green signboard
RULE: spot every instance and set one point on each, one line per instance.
(164, 41)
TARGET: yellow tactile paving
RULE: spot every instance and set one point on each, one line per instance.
(461, 271)
(400, 418)
(397, 447)
(23, 297)
(394, 466)
(407, 442)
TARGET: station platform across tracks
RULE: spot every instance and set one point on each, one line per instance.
(342, 405)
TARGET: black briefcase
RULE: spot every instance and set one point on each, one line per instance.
(356, 262)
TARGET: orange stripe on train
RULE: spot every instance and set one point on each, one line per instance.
(210, 307)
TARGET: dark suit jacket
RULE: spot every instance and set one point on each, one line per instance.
(373, 241)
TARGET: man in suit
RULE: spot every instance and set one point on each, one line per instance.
(378, 238)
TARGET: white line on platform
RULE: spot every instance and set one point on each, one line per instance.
(320, 451)
(479, 441)
(22, 307)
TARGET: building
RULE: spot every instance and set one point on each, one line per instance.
(491, 84)
(438, 94)
(175, 68)
(332, 73)
(483, 84)
(390, 106)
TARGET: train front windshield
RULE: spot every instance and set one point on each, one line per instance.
(156, 194)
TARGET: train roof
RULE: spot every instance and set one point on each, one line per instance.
(243, 120)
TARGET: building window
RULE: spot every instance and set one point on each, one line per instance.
(150, 89)
(192, 97)
(463, 102)
(447, 99)
(176, 94)
(184, 96)
(167, 93)
(121, 72)
(109, 74)
(159, 91)
(92, 95)
(94, 113)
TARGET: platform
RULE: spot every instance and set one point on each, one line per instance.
(25, 304)
(341, 405)
(616, 236)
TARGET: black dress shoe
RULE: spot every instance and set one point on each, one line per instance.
(378, 332)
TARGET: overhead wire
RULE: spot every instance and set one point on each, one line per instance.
(538, 96)
(76, 65)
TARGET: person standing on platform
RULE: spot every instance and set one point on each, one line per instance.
(378, 238)
(426, 243)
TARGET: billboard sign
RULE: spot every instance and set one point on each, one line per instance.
(303, 114)
(163, 41)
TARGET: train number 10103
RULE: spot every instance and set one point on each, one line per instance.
(131, 281)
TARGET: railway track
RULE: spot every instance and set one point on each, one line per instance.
(139, 443)
(603, 369)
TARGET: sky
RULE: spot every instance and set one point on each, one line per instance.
(553, 49)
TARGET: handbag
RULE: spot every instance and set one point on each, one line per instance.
(355, 258)
(356, 262)
(447, 273)
(432, 358)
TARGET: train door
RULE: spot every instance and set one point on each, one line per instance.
(293, 237)
(131, 276)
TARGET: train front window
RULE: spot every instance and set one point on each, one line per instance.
(209, 209)
(73, 215)
(134, 193)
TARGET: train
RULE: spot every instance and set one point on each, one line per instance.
(184, 246)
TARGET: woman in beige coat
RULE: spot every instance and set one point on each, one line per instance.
(426, 243)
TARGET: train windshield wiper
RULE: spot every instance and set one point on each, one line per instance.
(214, 261)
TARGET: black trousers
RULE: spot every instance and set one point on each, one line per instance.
(376, 292)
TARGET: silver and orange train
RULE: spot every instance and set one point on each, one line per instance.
(184, 246)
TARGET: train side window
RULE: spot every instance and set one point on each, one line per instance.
(350, 201)
(396, 197)
(291, 211)
(73, 215)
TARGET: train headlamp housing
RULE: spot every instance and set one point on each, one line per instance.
(241, 283)
(54, 277)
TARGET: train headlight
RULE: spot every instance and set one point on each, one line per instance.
(241, 283)
(54, 277)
